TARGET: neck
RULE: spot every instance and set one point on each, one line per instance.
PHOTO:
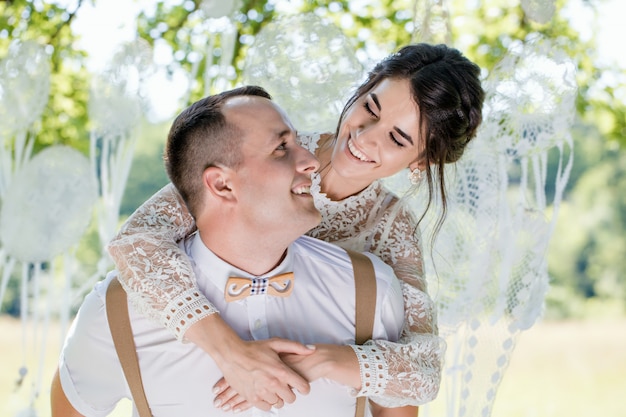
(256, 255)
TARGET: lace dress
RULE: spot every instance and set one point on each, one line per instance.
(159, 280)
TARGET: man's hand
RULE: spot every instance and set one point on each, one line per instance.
(253, 370)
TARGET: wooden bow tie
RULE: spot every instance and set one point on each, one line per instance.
(238, 288)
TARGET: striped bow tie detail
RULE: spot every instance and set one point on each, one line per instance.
(238, 288)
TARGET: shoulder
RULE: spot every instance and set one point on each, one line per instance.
(97, 296)
(396, 209)
(317, 252)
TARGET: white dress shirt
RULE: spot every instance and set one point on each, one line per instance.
(178, 377)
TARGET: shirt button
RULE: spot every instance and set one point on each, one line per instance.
(257, 324)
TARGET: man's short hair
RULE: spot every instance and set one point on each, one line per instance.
(199, 138)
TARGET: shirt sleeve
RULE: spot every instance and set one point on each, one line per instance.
(89, 371)
(409, 369)
(154, 271)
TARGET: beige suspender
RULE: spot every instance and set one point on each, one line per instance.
(365, 299)
(121, 331)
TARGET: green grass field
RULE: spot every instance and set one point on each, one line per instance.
(572, 369)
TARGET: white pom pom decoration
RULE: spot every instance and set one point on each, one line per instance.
(308, 65)
(48, 205)
(24, 86)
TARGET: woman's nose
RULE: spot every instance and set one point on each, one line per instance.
(367, 134)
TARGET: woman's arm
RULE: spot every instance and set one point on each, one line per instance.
(411, 367)
(406, 411)
(160, 282)
(154, 271)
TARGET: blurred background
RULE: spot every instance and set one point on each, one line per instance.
(88, 90)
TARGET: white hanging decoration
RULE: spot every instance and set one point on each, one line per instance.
(490, 272)
(530, 107)
(115, 99)
(115, 107)
(24, 85)
(219, 8)
(48, 205)
(24, 90)
(308, 65)
(466, 247)
(541, 11)
(431, 22)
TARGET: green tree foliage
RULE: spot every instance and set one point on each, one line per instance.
(587, 256)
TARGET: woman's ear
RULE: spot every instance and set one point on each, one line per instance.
(419, 163)
(218, 182)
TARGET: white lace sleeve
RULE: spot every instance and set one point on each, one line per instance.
(409, 370)
(155, 273)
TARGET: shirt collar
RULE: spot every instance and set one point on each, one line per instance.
(217, 270)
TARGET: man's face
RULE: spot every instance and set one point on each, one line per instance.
(274, 178)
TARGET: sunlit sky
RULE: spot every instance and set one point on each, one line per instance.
(103, 27)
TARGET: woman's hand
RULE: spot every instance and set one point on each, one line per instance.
(253, 369)
(335, 362)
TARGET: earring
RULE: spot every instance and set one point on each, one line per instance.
(415, 176)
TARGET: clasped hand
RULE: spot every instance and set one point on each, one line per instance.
(263, 374)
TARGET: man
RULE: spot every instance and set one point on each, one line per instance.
(234, 159)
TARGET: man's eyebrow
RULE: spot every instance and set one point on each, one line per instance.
(286, 132)
(281, 135)
(404, 134)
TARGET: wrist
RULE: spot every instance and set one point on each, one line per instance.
(341, 365)
(214, 336)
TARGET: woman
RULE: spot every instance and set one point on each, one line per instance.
(418, 109)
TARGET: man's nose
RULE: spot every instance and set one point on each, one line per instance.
(307, 162)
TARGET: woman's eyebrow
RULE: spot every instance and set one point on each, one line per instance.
(404, 134)
(375, 100)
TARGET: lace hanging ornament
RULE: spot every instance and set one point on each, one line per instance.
(308, 65)
(24, 91)
(431, 22)
(115, 107)
(541, 11)
(219, 8)
(488, 271)
(486, 299)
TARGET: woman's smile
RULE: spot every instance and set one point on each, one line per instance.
(352, 147)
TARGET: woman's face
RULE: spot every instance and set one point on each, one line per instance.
(379, 135)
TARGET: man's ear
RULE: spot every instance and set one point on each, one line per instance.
(218, 182)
